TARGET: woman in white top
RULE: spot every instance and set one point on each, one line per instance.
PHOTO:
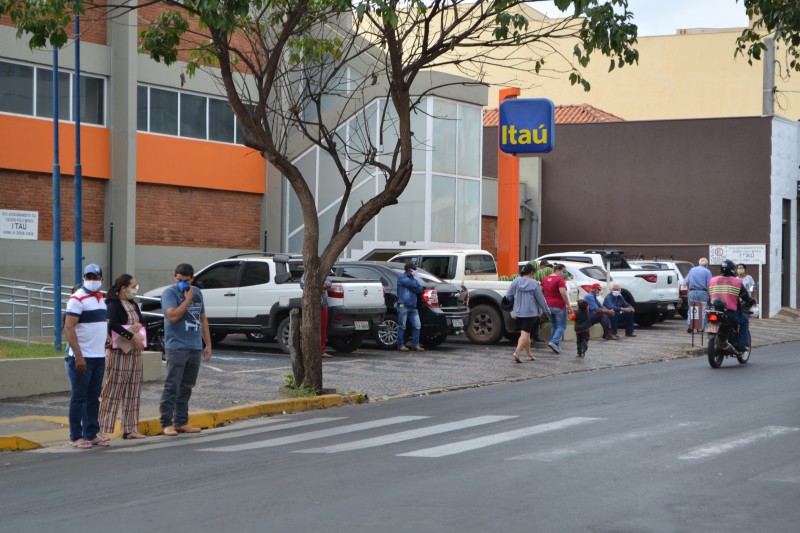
(747, 280)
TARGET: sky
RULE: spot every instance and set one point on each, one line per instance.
(663, 17)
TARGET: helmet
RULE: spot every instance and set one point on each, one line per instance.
(727, 268)
(718, 304)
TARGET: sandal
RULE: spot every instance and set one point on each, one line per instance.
(133, 435)
(531, 358)
(101, 436)
(80, 444)
(516, 358)
(98, 441)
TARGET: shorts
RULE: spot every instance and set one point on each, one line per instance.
(526, 323)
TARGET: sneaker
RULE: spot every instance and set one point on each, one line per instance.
(186, 428)
(169, 431)
(630, 334)
(554, 347)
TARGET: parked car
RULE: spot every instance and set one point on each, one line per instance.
(681, 268)
(443, 307)
(579, 282)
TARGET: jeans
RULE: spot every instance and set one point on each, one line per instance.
(697, 296)
(558, 324)
(412, 314)
(622, 319)
(743, 321)
(84, 402)
(182, 369)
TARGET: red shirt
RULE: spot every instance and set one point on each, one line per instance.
(552, 295)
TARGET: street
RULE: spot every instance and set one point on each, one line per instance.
(674, 446)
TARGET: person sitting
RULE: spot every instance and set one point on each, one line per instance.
(623, 311)
(599, 313)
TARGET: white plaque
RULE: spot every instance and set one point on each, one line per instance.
(746, 254)
(19, 224)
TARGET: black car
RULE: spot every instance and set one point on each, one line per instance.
(443, 307)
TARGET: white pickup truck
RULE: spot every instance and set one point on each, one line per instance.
(253, 294)
(651, 292)
(477, 271)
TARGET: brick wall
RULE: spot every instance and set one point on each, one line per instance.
(34, 192)
(489, 234)
(184, 216)
(93, 26)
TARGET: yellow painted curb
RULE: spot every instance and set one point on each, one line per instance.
(17, 443)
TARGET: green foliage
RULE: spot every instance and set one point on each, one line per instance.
(778, 17)
(13, 350)
(293, 391)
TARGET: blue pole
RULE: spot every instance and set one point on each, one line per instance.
(78, 170)
(56, 213)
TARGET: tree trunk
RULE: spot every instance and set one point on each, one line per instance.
(310, 330)
(298, 366)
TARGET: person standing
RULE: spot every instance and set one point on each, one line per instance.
(598, 313)
(747, 280)
(697, 282)
(123, 385)
(555, 294)
(86, 332)
(729, 288)
(185, 331)
(583, 325)
(623, 311)
(323, 314)
(408, 291)
(529, 303)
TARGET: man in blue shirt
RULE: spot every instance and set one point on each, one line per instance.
(697, 282)
(408, 290)
(623, 311)
(600, 313)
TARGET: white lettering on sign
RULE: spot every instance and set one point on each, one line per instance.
(19, 224)
(746, 254)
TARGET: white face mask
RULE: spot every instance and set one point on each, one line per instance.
(614, 293)
(92, 285)
(131, 292)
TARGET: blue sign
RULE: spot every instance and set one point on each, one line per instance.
(527, 125)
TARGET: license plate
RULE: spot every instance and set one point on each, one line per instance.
(670, 307)
(712, 328)
(361, 325)
(458, 323)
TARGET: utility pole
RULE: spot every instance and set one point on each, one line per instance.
(768, 92)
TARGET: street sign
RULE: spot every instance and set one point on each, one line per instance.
(527, 125)
(746, 254)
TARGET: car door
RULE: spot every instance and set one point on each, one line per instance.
(218, 283)
(253, 290)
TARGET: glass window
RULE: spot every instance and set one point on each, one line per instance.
(439, 266)
(221, 276)
(419, 143)
(193, 116)
(163, 111)
(405, 221)
(141, 108)
(480, 264)
(357, 272)
(92, 100)
(468, 212)
(16, 88)
(444, 135)
(220, 121)
(469, 141)
(255, 273)
(443, 208)
(44, 94)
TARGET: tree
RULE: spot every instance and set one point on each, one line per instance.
(282, 65)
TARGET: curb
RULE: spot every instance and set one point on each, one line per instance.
(202, 419)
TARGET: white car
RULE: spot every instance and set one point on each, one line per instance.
(681, 268)
(574, 281)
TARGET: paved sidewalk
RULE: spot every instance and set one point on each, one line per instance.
(220, 396)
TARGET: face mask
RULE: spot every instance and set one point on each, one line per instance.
(183, 286)
(614, 293)
(740, 271)
(131, 292)
(92, 285)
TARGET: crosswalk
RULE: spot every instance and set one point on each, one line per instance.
(428, 437)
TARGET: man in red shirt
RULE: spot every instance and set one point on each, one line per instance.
(555, 294)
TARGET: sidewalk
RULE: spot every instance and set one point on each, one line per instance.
(219, 397)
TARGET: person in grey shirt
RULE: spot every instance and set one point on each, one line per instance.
(529, 303)
(185, 331)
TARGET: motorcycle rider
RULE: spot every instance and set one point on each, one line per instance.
(729, 288)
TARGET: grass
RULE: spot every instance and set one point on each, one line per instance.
(14, 350)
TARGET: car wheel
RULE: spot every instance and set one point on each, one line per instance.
(386, 336)
(283, 335)
(217, 337)
(346, 344)
(485, 324)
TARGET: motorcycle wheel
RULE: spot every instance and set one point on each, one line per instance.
(746, 355)
(715, 354)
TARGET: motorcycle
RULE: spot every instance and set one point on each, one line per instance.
(723, 335)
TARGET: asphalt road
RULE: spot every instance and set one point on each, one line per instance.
(674, 446)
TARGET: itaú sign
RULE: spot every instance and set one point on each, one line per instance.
(527, 125)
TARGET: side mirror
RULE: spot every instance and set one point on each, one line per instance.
(283, 277)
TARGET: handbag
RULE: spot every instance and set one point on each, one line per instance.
(506, 304)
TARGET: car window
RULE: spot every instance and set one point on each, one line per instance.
(255, 273)
(594, 273)
(475, 264)
(360, 272)
(219, 276)
(684, 268)
(439, 265)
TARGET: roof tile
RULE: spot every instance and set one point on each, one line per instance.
(565, 114)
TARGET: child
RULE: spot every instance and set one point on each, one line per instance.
(583, 323)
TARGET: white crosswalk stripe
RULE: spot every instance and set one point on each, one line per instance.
(291, 439)
(406, 435)
(489, 440)
(184, 441)
(739, 441)
(594, 444)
